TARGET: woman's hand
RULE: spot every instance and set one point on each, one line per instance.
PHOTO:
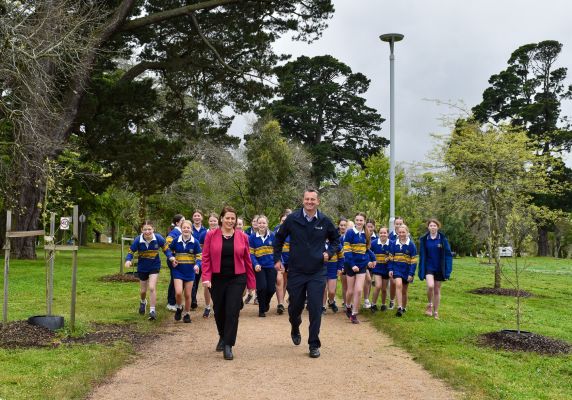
(371, 265)
(410, 279)
(258, 268)
(174, 262)
(207, 284)
(127, 264)
(391, 274)
(197, 269)
(355, 268)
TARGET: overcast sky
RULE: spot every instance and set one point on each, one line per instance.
(450, 50)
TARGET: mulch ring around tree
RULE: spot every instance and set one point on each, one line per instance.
(21, 334)
(525, 341)
(129, 277)
(501, 292)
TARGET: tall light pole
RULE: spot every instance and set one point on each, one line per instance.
(391, 38)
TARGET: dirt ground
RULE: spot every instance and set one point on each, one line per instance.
(356, 362)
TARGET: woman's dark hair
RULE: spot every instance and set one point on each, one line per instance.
(367, 233)
(226, 209)
(177, 218)
(147, 222)
(342, 219)
(435, 221)
(198, 211)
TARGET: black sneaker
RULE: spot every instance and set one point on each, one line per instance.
(333, 306)
(187, 318)
(373, 308)
(261, 314)
(348, 312)
(152, 316)
(404, 310)
(178, 313)
(142, 306)
(206, 313)
(280, 309)
(324, 309)
(194, 305)
(255, 301)
(383, 307)
(399, 312)
(247, 300)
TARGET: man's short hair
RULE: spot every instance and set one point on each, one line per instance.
(312, 190)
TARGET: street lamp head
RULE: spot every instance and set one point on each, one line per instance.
(391, 37)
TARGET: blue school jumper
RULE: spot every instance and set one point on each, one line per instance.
(382, 256)
(187, 253)
(171, 237)
(355, 250)
(435, 256)
(148, 252)
(403, 259)
(285, 249)
(262, 253)
(198, 233)
(336, 262)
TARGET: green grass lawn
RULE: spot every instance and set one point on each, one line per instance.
(69, 371)
(448, 349)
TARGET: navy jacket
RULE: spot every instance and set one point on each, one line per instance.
(307, 242)
(446, 256)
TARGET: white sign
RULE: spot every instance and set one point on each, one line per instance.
(65, 223)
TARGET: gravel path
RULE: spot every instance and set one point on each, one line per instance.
(184, 365)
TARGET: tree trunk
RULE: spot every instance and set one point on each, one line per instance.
(27, 218)
(542, 242)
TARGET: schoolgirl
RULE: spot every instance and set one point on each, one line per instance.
(282, 276)
(342, 229)
(402, 266)
(381, 248)
(397, 222)
(213, 224)
(435, 264)
(262, 255)
(198, 230)
(357, 257)
(370, 226)
(187, 252)
(334, 267)
(147, 246)
(173, 234)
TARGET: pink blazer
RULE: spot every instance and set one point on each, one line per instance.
(211, 254)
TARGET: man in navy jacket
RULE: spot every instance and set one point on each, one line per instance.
(308, 230)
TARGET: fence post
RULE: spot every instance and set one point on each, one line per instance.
(74, 267)
(6, 265)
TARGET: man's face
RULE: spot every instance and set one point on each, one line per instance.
(311, 201)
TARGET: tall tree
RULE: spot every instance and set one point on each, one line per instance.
(321, 106)
(529, 94)
(235, 52)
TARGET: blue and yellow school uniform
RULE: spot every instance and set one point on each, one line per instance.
(285, 250)
(172, 236)
(188, 254)
(355, 251)
(382, 257)
(262, 250)
(148, 252)
(198, 233)
(403, 259)
(336, 262)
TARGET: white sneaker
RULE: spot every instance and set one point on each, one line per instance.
(171, 307)
(366, 304)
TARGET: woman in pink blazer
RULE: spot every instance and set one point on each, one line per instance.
(227, 269)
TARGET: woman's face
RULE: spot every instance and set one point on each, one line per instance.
(186, 230)
(228, 220)
(147, 231)
(213, 222)
(383, 234)
(343, 227)
(262, 225)
(402, 233)
(359, 221)
(255, 224)
(283, 219)
(433, 228)
(397, 223)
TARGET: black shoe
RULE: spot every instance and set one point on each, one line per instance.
(220, 345)
(178, 314)
(194, 305)
(187, 319)
(227, 352)
(373, 309)
(314, 352)
(334, 307)
(261, 314)
(324, 309)
(267, 308)
(248, 299)
(206, 313)
(152, 316)
(296, 337)
(142, 306)
(399, 312)
(383, 307)
(280, 309)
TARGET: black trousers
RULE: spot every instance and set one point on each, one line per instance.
(171, 300)
(226, 292)
(265, 287)
(196, 287)
(307, 286)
